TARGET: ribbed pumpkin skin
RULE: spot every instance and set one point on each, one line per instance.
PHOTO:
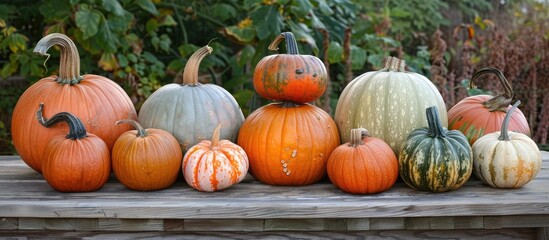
(506, 164)
(290, 77)
(288, 145)
(97, 101)
(210, 170)
(473, 119)
(191, 112)
(435, 163)
(296, 78)
(368, 168)
(146, 163)
(390, 104)
(76, 165)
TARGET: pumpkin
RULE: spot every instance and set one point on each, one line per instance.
(96, 100)
(146, 159)
(435, 159)
(214, 165)
(506, 159)
(363, 165)
(77, 162)
(389, 103)
(292, 77)
(288, 143)
(478, 115)
(191, 110)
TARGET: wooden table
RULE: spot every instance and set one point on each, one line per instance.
(29, 208)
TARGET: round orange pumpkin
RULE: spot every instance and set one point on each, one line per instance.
(214, 165)
(292, 77)
(476, 116)
(77, 162)
(364, 165)
(96, 100)
(146, 159)
(287, 143)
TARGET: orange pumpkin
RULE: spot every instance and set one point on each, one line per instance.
(96, 100)
(77, 162)
(287, 143)
(364, 165)
(146, 159)
(476, 116)
(214, 165)
(293, 77)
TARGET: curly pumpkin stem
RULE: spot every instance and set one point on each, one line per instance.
(357, 134)
(393, 64)
(291, 43)
(190, 73)
(76, 127)
(504, 136)
(69, 66)
(215, 137)
(501, 101)
(433, 120)
(141, 132)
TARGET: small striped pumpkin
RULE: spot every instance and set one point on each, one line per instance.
(389, 103)
(435, 159)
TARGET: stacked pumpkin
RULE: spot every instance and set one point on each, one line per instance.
(288, 142)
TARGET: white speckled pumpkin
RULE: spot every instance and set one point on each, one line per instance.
(506, 159)
(214, 165)
(191, 110)
(390, 103)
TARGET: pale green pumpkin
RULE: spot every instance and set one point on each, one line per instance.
(390, 103)
(190, 111)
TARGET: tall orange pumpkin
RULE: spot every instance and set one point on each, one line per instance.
(364, 165)
(97, 101)
(288, 143)
(77, 162)
(476, 116)
(292, 77)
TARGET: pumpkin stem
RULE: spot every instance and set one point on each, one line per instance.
(501, 101)
(76, 127)
(69, 66)
(141, 132)
(393, 64)
(504, 136)
(190, 73)
(433, 120)
(289, 104)
(357, 134)
(291, 43)
(215, 137)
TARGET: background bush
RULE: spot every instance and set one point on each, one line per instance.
(144, 44)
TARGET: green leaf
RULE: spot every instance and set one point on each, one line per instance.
(243, 96)
(267, 21)
(16, 42)
(120, 23)
(358, 58)
(87, 21)
(246, 55)
(324, 7)
(114, 7)
(165, 42)
(242, 35)
(335, 52)
(223, 11)
(108, 62)
(152, 25)
(55, 10)
(301, 33)
(168, 21)
(109, 42)
(148, 6)
(122, 60)
(176, 65)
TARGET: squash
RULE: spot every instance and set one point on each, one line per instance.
(77, 162)
(96, 100)
(288, 143)
(215, 165)
(389, 103)
(191, 110)
(506, 159)
(292, 77)
(364, 165)
(478, 115)
(435, 159)
(146, 159)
